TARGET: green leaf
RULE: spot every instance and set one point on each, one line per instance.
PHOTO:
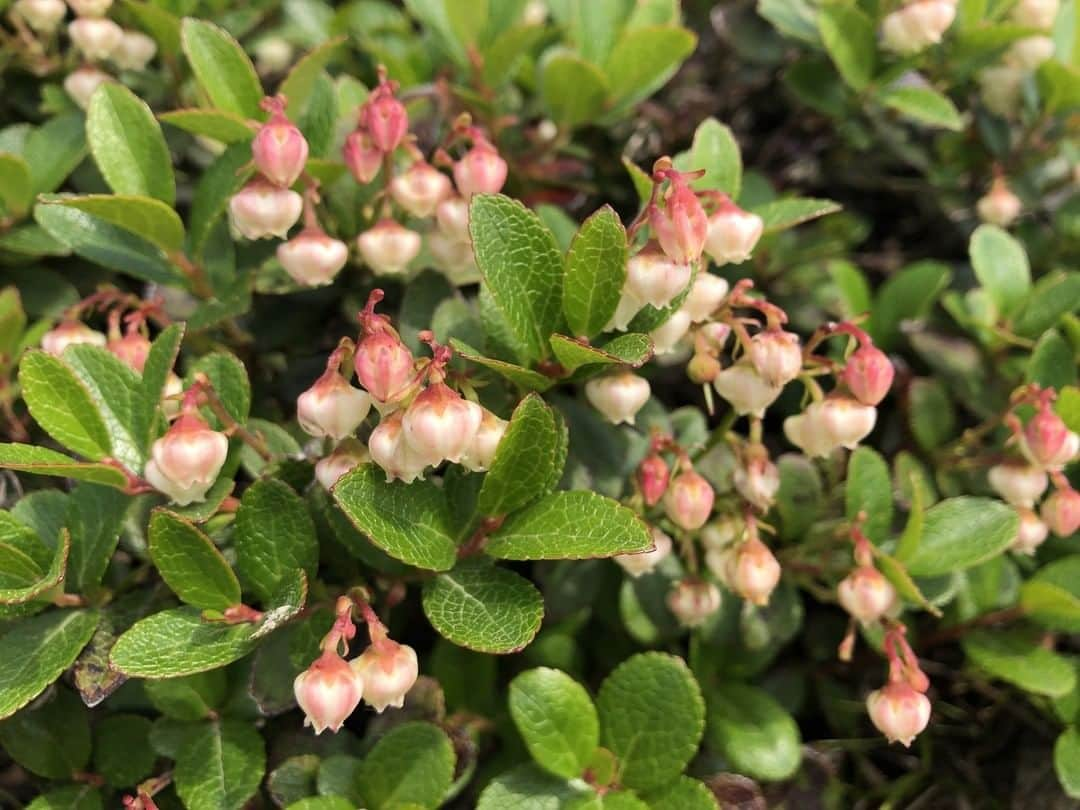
(127, 144)
(73, 797)
(412, 765)
(556, 718)
(631, 349)
(339, 775)
(521, 266)
(715, 150)
(910, 294)
(1053, 362)
(220, 766)
(221, 67)
(652, 717)
(148, 218)
(1052, 596)
(1067, 761)
(191, 564)
(220, 125)
(410, 522)
(229, 378)
(779, 215)
(529, 459)
(643, 60)
(37, 650)
(483, 607)
(323, 803)
(931, 413)
(572, 89)
(1001, 265)
(51, 740)
(194, 697)
(924, 105)
(1053, 295)
(12, 323)
(54, 149)
(527, 787)
(95, 516)
(504, 58)
(43, 461)
(961, 532)
(218, 183)
(39, 582)
(158, 23)
(753, 732)
(849, 38)
(682, 794)
(869, 491)
(62, 405)
(108, 245)
(1021, 660)
(122, 751)
(178, 642)
(570, 526)
(595, 273)
(159, 363)
(852, 286)
(274, 536)
(16, 186)
(525, 378)
(298, 85)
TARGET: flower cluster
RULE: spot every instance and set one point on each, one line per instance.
(423, 421)
(331, 688)
(1001, 84)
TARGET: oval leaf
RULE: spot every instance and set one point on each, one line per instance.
(753, 732)
(961, 532)
(556, 718)
(191, 564)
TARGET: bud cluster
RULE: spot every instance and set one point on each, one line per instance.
(1001, 84)
(424, 422)
(917, 25)
(331, 688)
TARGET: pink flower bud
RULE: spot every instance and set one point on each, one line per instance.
(655, 279)
(653, 476)
(1031, 533)
(917, 25)
(390, 451)
(279, 149)
(689, 500)
(1061, 512)
(899, 712)
(185, 462)
(43, 16)
(745, 389)
(90, 8)
(629, 305)
(384, 366)
(705, 297)
(1036, 13)
(866, 595)
(328, 692)
(837, 421)
(385, 118)
(273, 54)
(482, 450)
(1045, 437)
(1030, 52)
(80, 84)
(441, 424)
(454, 259)
(170, 394)
(868, 374)
(135, 51)
(618, 396)
(1000, 87)
(1018, 484)
(722, 533)
(420, 188)
(346, 456)
(312, 258)
(452, 216)
(703, 368)
(776, 355)
(388, 670)
(69, 333)
(95, 38)
(692, 601)
(999, 206)
(644, 562)
(332, 407)
(733, 234)
(713, 336)
(480, 171)
(133, 349)
(362, 156)
(667, 336)
(388, 247)
(753, 572)
(758, 480)
(261, 210)
(681, 226)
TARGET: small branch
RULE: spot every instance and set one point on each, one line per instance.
(958, 631)
(252, 440)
